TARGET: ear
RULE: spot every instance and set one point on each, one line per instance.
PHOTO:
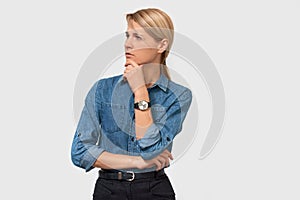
(162, 46)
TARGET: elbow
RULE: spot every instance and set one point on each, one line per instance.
(75, 158)
(151, 138)
(75, 162)
(152, 144)
(77, 152)
(85, 158)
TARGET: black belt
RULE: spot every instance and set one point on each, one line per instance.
(129, 175)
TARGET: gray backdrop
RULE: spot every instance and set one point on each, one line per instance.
(254, 46)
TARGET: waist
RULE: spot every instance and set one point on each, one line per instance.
(113, 174)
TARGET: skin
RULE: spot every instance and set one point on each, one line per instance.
(144, 50)
(141, 71)
(145, 56)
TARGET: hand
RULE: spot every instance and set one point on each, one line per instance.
(160, 161)
(134, 75)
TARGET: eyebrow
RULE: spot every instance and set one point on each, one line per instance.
(134, 32)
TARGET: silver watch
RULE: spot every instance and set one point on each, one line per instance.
(142, 105)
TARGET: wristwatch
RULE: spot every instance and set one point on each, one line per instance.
(142, 105)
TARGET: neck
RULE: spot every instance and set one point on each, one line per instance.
(151, 73)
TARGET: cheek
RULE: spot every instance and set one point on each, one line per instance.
(145, 55)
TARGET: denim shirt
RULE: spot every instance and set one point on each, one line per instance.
(107, 121)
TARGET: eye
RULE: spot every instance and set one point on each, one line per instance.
(138, 37)
(126, 35)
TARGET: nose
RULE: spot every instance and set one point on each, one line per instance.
(128, 44)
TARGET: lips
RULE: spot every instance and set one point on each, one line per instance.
(128, 54)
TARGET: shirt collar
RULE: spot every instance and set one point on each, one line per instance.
(162, 82)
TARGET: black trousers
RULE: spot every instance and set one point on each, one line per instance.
(158, 188)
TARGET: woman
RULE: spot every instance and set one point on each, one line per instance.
(129, 121)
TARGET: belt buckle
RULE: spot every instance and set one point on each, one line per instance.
(133, 175)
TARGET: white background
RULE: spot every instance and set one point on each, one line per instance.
(254, 45)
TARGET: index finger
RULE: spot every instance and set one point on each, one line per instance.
(131, 62)
(169, 154)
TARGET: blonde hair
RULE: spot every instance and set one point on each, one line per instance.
(159, 26)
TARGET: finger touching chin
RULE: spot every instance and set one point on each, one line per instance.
(131, 62)
(128, 62)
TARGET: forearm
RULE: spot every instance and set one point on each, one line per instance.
(109, 160)
(143, 119)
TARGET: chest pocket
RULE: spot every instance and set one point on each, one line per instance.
(112, 116)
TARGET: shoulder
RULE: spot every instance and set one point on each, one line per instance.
(108, 81)
(180, 90)
(103, 85)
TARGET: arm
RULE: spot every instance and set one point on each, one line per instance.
(143, 119)
(85, 152)
(159, 135)
(109, 160)
(117, 161)
(154, 138)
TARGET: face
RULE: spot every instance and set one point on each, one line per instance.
(140, 46)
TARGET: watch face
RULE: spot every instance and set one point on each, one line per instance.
(143, 105)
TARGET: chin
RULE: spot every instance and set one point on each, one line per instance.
(137, 62)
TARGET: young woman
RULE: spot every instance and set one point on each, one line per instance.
(129, 121)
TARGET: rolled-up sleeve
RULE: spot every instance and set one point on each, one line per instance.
(85, 151)
(161, 134)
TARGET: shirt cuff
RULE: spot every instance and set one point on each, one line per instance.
(151, 137)
(154, 153)
(90, 157)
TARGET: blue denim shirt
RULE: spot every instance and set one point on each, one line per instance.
(107, 121)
